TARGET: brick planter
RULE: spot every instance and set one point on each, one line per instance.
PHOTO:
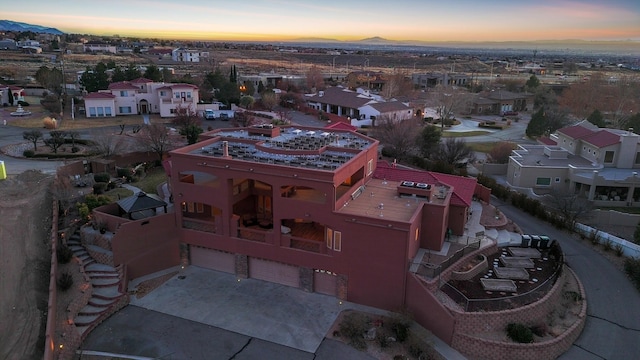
(482, 266)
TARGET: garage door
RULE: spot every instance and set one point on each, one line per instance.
(325, 282)
(213, 259)
(274, 272)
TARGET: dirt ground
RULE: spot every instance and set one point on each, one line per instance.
(25, 224)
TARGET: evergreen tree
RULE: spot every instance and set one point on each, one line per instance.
(538, 124)
(260, 87)
(95, 79)
(532, 83)
(132, 72)
(233, 76)
(153, 73)
(118, 75)
(597, 119)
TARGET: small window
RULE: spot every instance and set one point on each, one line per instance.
(337, 241)
(608, 156)
(107, 111)
(123, 93)
(162, 93)
(369, 167)
(92, 112)
(543, 181)
(329, 238)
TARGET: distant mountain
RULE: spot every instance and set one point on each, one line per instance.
(8, 25)
(377, 40)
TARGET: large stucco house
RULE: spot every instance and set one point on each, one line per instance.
(141, 96)
(601, 164)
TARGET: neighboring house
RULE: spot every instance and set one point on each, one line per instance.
(141, 96)
(17, 92)
(28, 43)
(600, 164)
(430, 80)
(371, 80)
(99, 47)
(8, 44)
(497, 102)
(189, 55)
(272, 80)
(311, 208)
(360, 106)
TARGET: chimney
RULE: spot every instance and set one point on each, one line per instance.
(225, 149)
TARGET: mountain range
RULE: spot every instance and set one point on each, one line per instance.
(8, 25)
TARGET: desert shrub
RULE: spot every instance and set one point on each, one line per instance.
(632, 268)
(382, 338)
(594, 237)
(572, 296)
(619, 250)
(75, 149)
(125, 173)
(399, 323)
(64, 254)
(101, 177)
(540, 329)
(65, 281)
(607, 245)
(353, 326)
(519, 333)
(99, 187)
(23, 103)
(28, 153)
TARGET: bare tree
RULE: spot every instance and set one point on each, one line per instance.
(454, 151)
(56, 140)
(269, 99)
(107, 143)
(397, 84)
(448, 100)
(570, 206)
(399, 137)
(33, 136)
(500, 152)
(188, 122)
(315, 80)
(155, 138)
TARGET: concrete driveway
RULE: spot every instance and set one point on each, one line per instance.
(212, 315)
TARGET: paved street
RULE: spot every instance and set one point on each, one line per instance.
(612, 329)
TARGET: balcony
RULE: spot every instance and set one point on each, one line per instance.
(199, 225)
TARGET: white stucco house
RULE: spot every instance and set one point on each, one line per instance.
(141, 96)
(189, 55)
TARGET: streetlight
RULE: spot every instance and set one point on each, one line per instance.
(243, 88)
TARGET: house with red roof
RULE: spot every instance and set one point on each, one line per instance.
(17, 93)
(598, 163)
(141, 96)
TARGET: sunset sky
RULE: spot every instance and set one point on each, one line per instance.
(268, 20)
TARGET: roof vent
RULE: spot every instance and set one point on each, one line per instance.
(408, 183)
(423, 186)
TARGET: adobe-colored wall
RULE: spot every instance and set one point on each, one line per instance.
(427, 310)
(434, 226)
(146, 246)
(483, 193)
(457, 219)
(468, 324)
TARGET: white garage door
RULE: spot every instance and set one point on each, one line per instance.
(325, 282)
(213, 259)
(274, 272)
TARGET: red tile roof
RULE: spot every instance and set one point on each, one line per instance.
(99, 95)
(602, 138)
(463, 187)
(341, 125)
(576, 131)
(546, 141)
(141, 80)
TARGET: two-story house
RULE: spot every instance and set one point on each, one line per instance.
(141, 96)
(189, 55)
(601, 164)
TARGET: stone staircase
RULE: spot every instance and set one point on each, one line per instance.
(106, 286)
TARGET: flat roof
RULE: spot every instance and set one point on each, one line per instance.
(534, 156)
(380, 200)
(313, 148)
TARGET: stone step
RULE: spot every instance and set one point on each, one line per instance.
(102, 275)
(85, 320)
(89, 310)
(82, 329)
(99, 267)
(98, 249)
(99, 283)
(75, 248)
(75, 236)
(98, 302)
(88, 262)
(106, 293)
(84, 257)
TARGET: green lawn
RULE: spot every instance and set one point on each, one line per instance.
(150, 182)
(484, 147)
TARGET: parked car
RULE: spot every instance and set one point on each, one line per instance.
(209, 115)
(224, 117)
